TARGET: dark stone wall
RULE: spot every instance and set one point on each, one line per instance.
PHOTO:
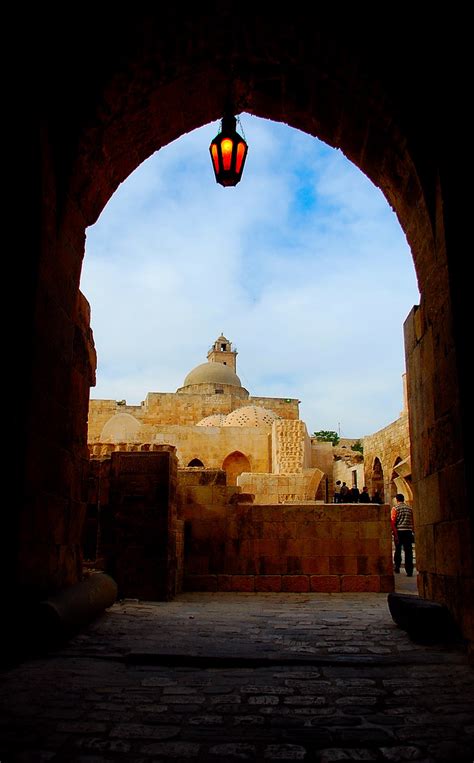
(392, 102)
(444, 530)
(138, 534)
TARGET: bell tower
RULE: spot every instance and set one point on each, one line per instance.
(222, 352)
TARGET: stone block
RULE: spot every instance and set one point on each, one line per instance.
(387, 583)
(375, 529)
(293, 565)
(374, 565)
(272, 565)
(428, 508)
(360, 583)
(343, 565)
(315, 565)
(317, 548)
(295, 583)
(268, 583)
(452, 491)
(321, 530)
(197, 565)
(357, 513)
(447, 538)
(351, 530)
(279, 530)
(219, 494)
(200, 583)
(325, 583)
(243, 583)
(224, 583)
(361, 547)
(425, 549)
(266, 547)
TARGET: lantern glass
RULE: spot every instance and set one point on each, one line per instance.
(228, 152)
(227, 146)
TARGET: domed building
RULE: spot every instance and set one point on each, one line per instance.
(213, 423)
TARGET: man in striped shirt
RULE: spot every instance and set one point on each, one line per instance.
(402, 528)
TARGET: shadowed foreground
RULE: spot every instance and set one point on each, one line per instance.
(222, 677)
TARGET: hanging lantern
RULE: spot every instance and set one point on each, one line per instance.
(228, 153)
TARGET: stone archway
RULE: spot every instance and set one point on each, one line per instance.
(146, 80)
(234, 465)
(120, 428)
(376, 480)
(400, 481)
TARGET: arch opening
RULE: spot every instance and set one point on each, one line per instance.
(197, 463)
(373, 116)
(377, 482)
(234, 465)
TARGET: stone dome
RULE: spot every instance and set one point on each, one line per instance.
(214, 420)
(250, 416)
(212, 373)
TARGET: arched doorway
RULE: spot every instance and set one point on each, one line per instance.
(234, 464)
(120, 106)
(376, 480)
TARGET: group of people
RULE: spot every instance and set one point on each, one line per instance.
(345, 494)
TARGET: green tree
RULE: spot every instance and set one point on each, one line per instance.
(327, 435)
(358, 446)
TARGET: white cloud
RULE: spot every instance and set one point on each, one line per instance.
(303, 266)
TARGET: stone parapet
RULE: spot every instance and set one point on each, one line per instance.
(281, 488)
(301, 547)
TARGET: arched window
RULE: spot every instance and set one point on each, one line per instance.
(196, 462)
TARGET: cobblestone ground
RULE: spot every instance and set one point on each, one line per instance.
(232, 677)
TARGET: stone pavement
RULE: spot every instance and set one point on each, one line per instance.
(231, 677)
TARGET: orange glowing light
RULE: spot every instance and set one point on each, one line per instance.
(241, 150)
(226, 148)
(228, 152)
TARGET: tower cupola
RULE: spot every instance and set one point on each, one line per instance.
(222, 352)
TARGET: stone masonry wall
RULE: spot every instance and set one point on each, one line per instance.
(140, 541)
(51, 555)
(166, 408)
(211, 445)
(232, 546)
(445, 534)
(343, 471)
(323, 458)
(388, 444)
(281, 488)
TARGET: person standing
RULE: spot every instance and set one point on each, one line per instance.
(402, 528)
(345, 498)
(337, 492)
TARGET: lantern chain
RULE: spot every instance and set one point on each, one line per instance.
(242, 128)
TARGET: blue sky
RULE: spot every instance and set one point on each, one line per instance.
(303, 266)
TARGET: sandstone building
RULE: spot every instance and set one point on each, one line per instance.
(213, 422)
